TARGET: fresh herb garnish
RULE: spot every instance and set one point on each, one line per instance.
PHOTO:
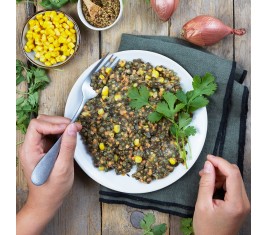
(177, 108)
(147, 225)
(28, 102)
(187, 226)
(55, 4)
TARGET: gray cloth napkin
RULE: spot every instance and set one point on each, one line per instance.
(227, 113)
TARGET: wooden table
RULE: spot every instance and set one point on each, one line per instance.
(81, 212)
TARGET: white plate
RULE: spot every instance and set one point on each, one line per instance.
(129, 184)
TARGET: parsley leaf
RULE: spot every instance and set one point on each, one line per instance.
(187, 226)
(167, 108)
(28, 102)
(154, 117)
(147, 225)
(139, 97)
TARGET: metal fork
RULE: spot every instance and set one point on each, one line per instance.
(44, 167)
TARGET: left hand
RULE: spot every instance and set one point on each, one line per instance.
(47, 198)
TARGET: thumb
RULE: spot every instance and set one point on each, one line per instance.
(206, 184)
(68, 142)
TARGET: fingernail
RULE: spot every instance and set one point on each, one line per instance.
(72, 130)
(207, 167)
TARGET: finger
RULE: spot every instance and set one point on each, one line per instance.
(68, 143)
(233, 182)
(38, 128)
(53, 119)
(206, 185)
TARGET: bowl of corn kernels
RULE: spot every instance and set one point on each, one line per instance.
(50, 38)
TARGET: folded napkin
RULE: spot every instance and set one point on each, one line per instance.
(227, 113)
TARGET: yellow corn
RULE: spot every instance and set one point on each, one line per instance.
(147, 77)
(138, 159)
(117, 97)
(161, 80)
(137, 142)
(101, 168)
(116, 128)
(105, 91)
(155, 73)
(122, 63)
(108, 70)
(85, 114)
(172, 161)
(100, 111)
(101, 146)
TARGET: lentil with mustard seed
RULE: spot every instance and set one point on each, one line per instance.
(119, 137)
(106, 16)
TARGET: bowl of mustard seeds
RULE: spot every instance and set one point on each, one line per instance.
(110, 13)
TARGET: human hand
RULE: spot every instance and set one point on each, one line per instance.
(214, 216)
(43, 201)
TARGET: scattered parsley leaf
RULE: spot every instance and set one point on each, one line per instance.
(147, 225)
(181, 96)
(187, 226)
(139, 97)
(55, 4)
(28, 102)
(159, 229)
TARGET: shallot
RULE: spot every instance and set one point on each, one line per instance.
(206, 30)
(164, 8)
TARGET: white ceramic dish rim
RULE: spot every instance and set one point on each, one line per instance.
(84, 21)
(124, 183)
(30, 55)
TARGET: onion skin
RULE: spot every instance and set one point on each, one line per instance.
(206, 30)
(164, 8)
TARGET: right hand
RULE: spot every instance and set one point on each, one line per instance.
(220, 217)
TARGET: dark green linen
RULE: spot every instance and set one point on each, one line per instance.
(227, 112)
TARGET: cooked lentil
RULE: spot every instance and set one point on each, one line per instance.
(106, 16)
(119, 137)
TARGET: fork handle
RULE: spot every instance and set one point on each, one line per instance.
(44, 167)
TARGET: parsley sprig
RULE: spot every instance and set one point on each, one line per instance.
(177, 108)
(147, 225)
(187, 226)
(27, 103)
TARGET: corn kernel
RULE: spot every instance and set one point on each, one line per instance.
(38, 55)
(63, 58)
(70, 23)
(117, 97)
(122, 63)
(104, 97)
(48, 56)
(101, 146)
(39, 16)
(155, 73)
(108, 70)
(53, 61)
(147, 77)
(71, 51)
(116, 128)
(105, 91)
(140, 72)
(138, 159)
(60, 15)
(116, 158)
(27, 49)
(100, 111)
(172, 161)
(58, 58)
(137, 142)
(101, 168)
(42, 58)
(72, 31)
(85, 114)
(47, 63)
(161, 80)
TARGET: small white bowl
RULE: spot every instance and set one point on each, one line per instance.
(87, 24)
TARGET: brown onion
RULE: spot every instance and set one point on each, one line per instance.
(207, 30)
(164, 8)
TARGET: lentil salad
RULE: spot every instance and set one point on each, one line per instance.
(119, 137)
(105, 17)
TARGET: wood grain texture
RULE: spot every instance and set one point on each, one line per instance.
(174, 224)
(117, 221)
(243, 57)
(217, 8)
(138, 18)
(22, 189)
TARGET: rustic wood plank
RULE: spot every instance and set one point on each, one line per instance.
(185, 12)
(81, 211)
(117, 221)
(192, 8)
(174, 222)
(243, 57)
(138, 18)
(22, 189)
